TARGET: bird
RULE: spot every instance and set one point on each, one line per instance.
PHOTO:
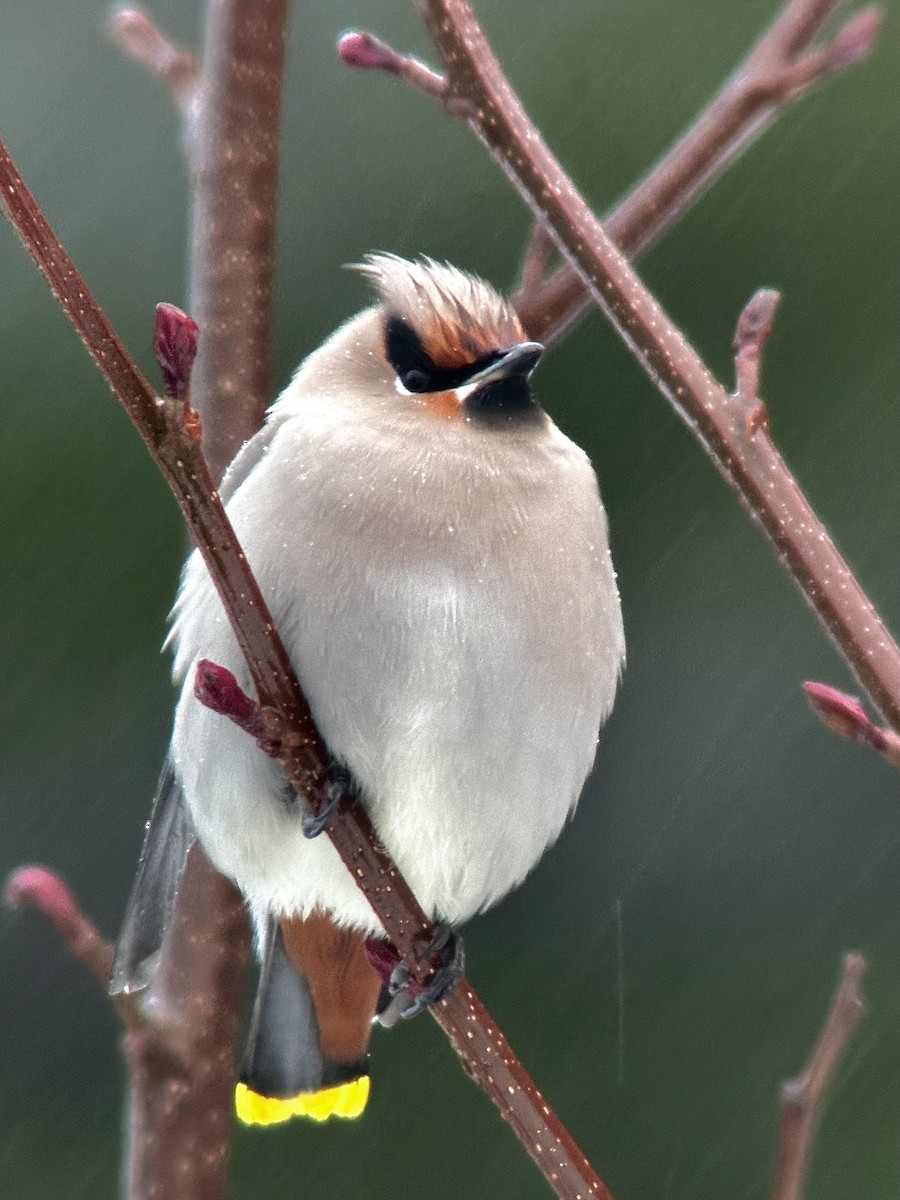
(435, 555)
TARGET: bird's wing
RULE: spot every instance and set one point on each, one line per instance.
(169, 837)
(249, 456)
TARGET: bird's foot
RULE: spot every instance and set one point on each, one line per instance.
(338, 784)
(446, 952)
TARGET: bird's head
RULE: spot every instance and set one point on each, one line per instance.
(451, 343)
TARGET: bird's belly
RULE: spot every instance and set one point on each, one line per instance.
(469, 730)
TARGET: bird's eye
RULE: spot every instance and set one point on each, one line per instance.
(414, 381)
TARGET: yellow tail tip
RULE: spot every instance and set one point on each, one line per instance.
(345, 1100)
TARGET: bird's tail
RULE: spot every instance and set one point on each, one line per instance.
(307, 1051)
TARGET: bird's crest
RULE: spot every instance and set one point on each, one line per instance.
(458, 317)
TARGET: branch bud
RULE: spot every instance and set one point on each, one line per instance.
(856, 39)
(842, 714)
(368, 53)
(40, 889)
(218, 689)
(175, 346)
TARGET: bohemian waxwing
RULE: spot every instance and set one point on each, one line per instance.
(434, 552)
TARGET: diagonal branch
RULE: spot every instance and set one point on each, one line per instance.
(171, 433)
(732, 428)
(779, 70)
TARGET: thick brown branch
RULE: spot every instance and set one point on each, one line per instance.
(233, 144)
(728, 427)
(801, 1098)
(175, 448)
(845, 715)
(181, 1054)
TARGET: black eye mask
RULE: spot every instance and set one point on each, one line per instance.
(415, 369)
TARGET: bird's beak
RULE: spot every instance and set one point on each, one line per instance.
(519, 360)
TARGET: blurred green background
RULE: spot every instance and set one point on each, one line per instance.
(671, 960)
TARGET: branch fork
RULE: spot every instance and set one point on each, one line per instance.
(143, 41)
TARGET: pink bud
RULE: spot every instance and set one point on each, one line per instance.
(755, 322)
(36, 887)
(842, 714)
(367, 52)
(218, 689)
(175, 346)
(856, 39)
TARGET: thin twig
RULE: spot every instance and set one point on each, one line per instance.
(538, 253)
(777, 73)
(369, 53)
(845, 715)
(172, 438)
(142, 40)
(47, 893)
(729, 427)
(801, 1098)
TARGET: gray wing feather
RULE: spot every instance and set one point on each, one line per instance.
(248, 457)
(282, 1057)
(169, 837)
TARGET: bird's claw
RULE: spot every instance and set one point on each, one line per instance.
(448, 971)
(338, 785)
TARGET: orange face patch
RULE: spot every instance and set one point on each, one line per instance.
(445, 405)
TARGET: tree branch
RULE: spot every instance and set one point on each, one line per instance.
(233, 143)
(135, 33)
(181, 1111)
(47, 893)
(801, 1098)
(779, 70)
(732, 429)
(536, 259)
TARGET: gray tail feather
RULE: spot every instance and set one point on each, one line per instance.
(169, 837)
(283, 1056)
